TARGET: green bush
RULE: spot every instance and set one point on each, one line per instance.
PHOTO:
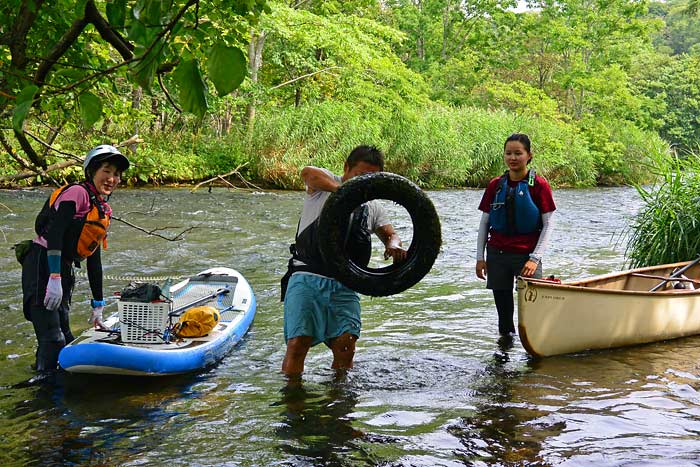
(435, 145)
(667, 228)
(177, 158)
(622, 151)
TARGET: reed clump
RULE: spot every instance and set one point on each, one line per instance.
(667, 228)
(436, 146)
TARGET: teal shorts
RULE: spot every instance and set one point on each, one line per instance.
(320, 307)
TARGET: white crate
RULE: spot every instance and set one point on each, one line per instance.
(143, 323)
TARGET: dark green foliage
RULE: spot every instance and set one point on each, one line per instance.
(436, 85)
(667, 229)
(182, 158)
(674, 83)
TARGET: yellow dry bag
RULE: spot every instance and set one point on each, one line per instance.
(197, 322)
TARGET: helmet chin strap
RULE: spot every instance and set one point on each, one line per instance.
(94, 187)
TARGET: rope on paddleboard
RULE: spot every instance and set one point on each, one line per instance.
(83, 275)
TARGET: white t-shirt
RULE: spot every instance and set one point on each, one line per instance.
(313, 205)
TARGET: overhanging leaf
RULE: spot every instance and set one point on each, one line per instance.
(193, 96)
(116, 13)
(22, 105)
(144, 70)
(80, 8)
(226, 67)
(90, 109)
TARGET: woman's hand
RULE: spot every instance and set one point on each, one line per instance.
(529, 268)
(98, 306)
(96, 317)
(54, 292)
(481, 269)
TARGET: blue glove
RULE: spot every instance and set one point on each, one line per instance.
(54, 292)
(98, 306)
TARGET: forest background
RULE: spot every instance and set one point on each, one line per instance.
(605, 88)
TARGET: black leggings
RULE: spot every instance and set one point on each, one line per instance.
(52, 328)
(505, 308)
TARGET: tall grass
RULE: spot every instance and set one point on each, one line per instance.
(323, 135)
(667, 229)
(436, 146)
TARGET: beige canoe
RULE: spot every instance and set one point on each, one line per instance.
(611, 310)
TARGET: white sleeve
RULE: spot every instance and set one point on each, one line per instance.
(376, 215)
(481, 238)
(547, 226)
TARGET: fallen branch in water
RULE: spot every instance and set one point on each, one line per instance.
(153, 232)
(222, 177)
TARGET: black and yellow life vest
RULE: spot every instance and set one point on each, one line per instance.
(357, 244)
(86, 234)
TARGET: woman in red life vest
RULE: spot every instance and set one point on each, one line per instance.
(71, 227)
(516, 222)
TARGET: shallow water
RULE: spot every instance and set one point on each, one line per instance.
(431, 386)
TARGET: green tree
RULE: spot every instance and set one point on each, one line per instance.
(681, 31)
(311, 58)
(439, 30)
(585, 38)
(674, 84)
(61, 62)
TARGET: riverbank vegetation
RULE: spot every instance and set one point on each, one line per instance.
(667, 228)
(604, 88)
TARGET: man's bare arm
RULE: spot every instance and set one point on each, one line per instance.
(392, 243)
(317, 179)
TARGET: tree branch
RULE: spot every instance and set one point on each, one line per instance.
(168, 28)
(34, 173)
(153, 232)
(54, 132)
(167, 94)
(59, 49)
(29, 150)
(49, 147)
(10, 150)
(28, 12)
(302, 77)
(107, 32)
(221, 177)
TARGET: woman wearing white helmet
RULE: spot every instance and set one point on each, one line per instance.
(71, 227)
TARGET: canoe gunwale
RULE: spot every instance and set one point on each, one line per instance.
(587, 284)
(581, 288)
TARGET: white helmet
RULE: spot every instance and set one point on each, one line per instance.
(105, 152)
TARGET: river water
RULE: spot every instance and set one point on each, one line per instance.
(431, 386)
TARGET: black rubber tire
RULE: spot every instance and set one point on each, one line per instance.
(424, 248)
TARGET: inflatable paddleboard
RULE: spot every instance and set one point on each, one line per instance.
(156, 353)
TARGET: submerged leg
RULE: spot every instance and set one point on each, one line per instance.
(49, 337)
(505, 308)
(343, 348)
(297, 348)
